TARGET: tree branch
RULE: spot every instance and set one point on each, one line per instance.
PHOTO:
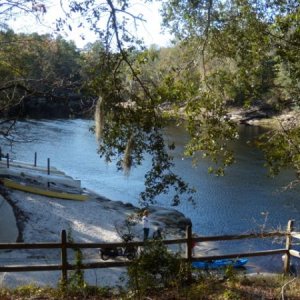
(124, 55)
(206, 36)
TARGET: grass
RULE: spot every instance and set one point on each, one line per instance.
(205, 287)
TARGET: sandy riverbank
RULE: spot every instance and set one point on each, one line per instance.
(41, 219)
(9, 230)
(257, 116)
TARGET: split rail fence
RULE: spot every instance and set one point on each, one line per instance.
(64, 266)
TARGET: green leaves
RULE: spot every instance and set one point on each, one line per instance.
(281, 148)
(248, 52)
(232, 53)
(34, 65)
(160, 179)
(154, 269)
(210, 131)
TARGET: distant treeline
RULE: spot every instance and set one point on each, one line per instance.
(46, 77)
(42, 77)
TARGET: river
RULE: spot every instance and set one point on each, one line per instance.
(244, 200)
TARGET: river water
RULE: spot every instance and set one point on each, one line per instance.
(244, 200)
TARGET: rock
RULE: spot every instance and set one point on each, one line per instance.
(129, 205)
(170, 217)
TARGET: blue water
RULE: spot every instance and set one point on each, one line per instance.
(234, 203)
(244, 200)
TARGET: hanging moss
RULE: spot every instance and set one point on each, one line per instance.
(99, 118)
(127, 160)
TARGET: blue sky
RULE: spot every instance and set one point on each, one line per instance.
(45, 23)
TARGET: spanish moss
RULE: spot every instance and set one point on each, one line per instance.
(99, 118)
(127, 160)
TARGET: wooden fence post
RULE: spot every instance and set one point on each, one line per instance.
(189, 250)
(64, 258)
(48, 165)
(287, 257)
(48, 170)
(189, 242)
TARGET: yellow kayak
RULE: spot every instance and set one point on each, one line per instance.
(42, 191)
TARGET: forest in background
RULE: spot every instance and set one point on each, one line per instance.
(226, 53)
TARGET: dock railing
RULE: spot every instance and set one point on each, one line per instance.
(64, 266)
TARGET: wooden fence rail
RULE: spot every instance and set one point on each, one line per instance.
(64, 266)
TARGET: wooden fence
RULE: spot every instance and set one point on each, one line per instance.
(64, 266)
(35, 160)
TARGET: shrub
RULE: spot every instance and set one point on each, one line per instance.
(154, 269)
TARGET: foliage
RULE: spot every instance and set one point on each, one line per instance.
(156, 268)
(28, 290)
(208, 287)
(281, 148)
(130, 128)
(76, 283)
(35, 66)
(34, 291)
(248, 52)
(226, 53)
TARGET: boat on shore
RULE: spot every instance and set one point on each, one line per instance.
(28, 166)
(44, 191)
(36, 176)
(220, 263)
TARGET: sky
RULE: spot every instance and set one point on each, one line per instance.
(150, 31)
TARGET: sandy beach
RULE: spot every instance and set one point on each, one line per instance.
(41, 219)
(7, 222)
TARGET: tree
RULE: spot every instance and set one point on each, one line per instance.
(237, 52)
(33, 65)
(228, 60)
(36, 65)
(129, 120)
(256, 47)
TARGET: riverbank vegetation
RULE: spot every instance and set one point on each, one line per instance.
(160, 274)
(209, 287)
(225, 54)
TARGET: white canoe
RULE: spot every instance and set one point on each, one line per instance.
(38, 176)
(28, 166)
